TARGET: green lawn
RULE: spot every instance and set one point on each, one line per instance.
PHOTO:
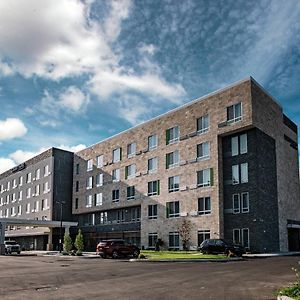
(291, 291)
(153, 255)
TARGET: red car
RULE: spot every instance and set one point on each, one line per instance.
(117, 248)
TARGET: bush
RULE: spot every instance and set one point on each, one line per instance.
(68, 244)
(79, 242)
(291, 291)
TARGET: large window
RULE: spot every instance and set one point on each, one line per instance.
(244, 173)
(89, 165)
(203, 124)
(203, 235)
(152, 164)
(152, 211)
(116, 175)
(28, 180)
(89, 201)
(204, 206)
(205, 178)
(172, 159)
(240, 171)
(100, 161)
(37, 174)
(152, 238)
(131, 150)
(153, 188)
(130, 192)
(240, 203)
(115, 196)
(239, 145)
(98, 199)
(241, 236)
(130, 171)
(173, 209)
(117, 155)
(234, 113)
(236, 203)
(172, 135)
(173, 240)
(89, 183)
(99, 180)
(245, 202)
(203, 151)
(152, 142)
(174, 184)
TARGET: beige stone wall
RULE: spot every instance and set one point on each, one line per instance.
(214, 105)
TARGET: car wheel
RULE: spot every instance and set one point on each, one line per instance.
(136, 253)
(115, 254)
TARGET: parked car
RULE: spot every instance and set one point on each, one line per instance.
(216, 246)
(12, 247)
(116, 248)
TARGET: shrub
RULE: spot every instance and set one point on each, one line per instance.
(68, 244)
(79, 242)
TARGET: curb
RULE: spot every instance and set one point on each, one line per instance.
(187, 260)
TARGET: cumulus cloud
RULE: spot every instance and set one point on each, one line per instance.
(73, 99)
(11, 128)
(6, 164)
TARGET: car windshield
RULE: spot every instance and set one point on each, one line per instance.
(11, 243)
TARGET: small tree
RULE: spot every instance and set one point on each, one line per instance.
(184, 232)
(79, 242)
(68, 244)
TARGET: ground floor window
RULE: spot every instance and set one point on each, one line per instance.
(241, 236)
(173, 240)
(203, 235)
(152, 238)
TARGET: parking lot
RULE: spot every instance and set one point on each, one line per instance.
(38, 277)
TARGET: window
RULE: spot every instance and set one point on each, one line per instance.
(152, 238)
(13, 211)
(204, 206)
(245, 202)
(116, 175)
(135, 214)
(99, 180)
(152, 211)
(152, 142)
(20, 197)
(103, 217)
(99, 161)
(89, 201)
(131, 149)
(236, 236)
(89, 165)
(77, 186)
(19, 211)
(36, 206)
(245, 238)
(13, 198)
(239, 144)
(20, 180)
(244, 173)
(236, 203)
(28, 179)
(203, 235)
(115, 196)
(44, 205)
(174, 184)
(46, 187)
(203, 151)
(37, 190)
(46, 170)
(117, 155)
(28, 193)
(14, 183)
(172, 135)
(130, 171)
(203, 124)
(27, 208)
(234, 113)
(172, 159)
(152, 164)
(76, 203)
(173, 240)
(130, 192)
(205, 178)
(89, 183)
(77, 169)
(37, 174)
(7, 199)
(153, 188)
(98, 199)
(235, 174)
(173, 209)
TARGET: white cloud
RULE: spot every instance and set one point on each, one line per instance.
(147, 48)
(11, 128)
(75, 148)
(19, 156)
(6, 164)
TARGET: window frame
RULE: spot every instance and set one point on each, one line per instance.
(172, 206)
(235, 118)
(203, 129)
(152, 211)
(206, 209)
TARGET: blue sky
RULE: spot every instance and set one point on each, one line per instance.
(74, 72)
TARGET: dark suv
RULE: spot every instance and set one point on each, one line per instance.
(117, 248)
(216, 246)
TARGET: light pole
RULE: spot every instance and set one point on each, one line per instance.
(60, 229)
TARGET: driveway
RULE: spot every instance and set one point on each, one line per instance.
(87, 278)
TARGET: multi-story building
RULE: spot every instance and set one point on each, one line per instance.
(227, 163)
(35, 190)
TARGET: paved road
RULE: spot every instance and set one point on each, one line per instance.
(86, 278)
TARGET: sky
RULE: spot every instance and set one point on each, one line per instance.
(75, 72)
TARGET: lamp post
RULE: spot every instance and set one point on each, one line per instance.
(60, 229)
